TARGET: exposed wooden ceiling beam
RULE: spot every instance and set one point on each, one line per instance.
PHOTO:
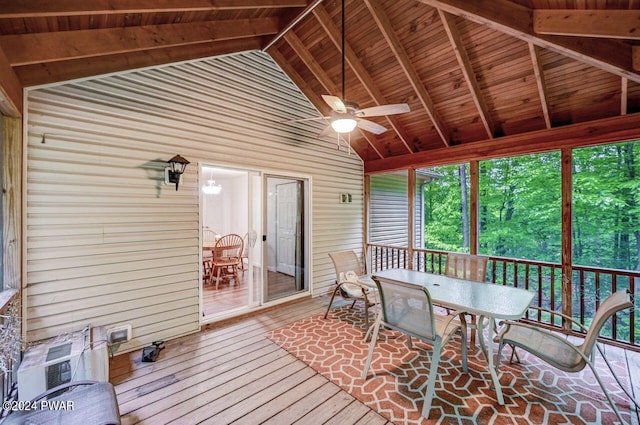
(307, 58)
(293, 22)
(607, 130)
(624, 95)
(26, 49)
(467, 71)
(588, 23)
(53, 72)
(510, 18)
(11, 102)
(315, 68)
(361, 73)
(382, 20)
(48, 8)
(540, 81)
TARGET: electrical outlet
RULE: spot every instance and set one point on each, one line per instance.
(119, 334)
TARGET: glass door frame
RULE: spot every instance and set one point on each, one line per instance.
(307, 229)
(252, 286)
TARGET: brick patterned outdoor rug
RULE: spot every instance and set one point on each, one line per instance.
(534, 392)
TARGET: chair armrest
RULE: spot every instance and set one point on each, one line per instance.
(551, 334)
(557, 313)
(452, 316)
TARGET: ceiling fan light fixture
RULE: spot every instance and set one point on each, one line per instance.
(344, 125)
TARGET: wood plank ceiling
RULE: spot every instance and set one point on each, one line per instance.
(482, 78)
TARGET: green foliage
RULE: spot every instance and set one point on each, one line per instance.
(606, 206)
(520, 207)
(443, 212)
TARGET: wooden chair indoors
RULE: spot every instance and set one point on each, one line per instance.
(348, 267)
(208, 241)
(468, 267)
(249, 239)
(226, 258)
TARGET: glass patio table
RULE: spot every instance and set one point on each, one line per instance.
(485, 300)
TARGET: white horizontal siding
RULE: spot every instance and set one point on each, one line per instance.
(389, 210)
(107, 242)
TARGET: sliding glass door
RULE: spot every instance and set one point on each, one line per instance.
(285, 243)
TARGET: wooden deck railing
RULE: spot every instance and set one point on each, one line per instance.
(589, 285)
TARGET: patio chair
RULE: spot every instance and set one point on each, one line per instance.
(226, 257)
(348, 268)
(407, 308)
(559, 352)
(468, 267)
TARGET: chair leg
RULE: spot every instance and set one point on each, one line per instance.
(463, 332)
(372, 345)
(613, 406)
(236, 276)
(331, 302)
(474, 330)
(431, 385)
(366, 312)
(218, 278)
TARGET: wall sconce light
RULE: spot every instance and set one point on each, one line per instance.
(174, 171)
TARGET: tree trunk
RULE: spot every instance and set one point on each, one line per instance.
(464, 208)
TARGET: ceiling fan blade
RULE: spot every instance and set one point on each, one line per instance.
(376, 111)
(371, 126)
(335, 103)
(327, 131)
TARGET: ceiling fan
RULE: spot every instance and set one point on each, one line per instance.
(347, 115)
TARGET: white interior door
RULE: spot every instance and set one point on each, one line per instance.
(286, 228)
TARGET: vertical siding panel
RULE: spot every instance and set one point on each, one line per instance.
(107, 242)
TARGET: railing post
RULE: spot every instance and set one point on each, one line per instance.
(567, 244)
(411, 192)
(365, 227)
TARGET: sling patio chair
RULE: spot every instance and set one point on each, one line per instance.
(467, 267)
(561, 353)
(407, 308)
(348, 268)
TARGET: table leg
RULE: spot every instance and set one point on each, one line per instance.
(487, 350)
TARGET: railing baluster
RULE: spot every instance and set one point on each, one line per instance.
(539, 292)
(581, 286)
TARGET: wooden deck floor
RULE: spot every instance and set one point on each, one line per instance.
(231, 373)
